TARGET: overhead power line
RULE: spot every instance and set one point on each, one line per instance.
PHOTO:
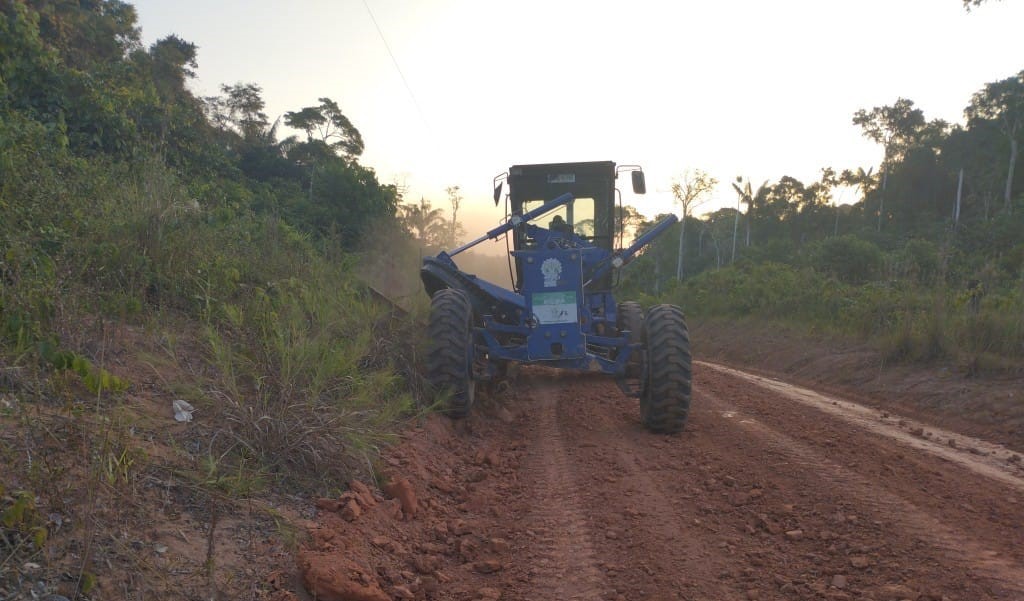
(405, 82)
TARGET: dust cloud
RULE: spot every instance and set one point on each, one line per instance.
(391, 259)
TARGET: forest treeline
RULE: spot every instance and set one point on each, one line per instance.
(929, 259)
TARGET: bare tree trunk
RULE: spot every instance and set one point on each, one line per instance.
(682, 234)
(1009, 175)
(735, 230)
(312, 174)
(959, 195)
(881, 202)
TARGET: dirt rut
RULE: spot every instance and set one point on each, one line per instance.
(559, 493)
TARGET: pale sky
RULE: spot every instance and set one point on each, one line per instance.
(754, 88)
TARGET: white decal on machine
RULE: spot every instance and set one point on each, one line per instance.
(551, 268)
(555, 307)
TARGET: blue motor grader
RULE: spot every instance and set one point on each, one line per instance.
(565, 231)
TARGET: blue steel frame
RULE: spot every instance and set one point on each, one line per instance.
(557, 320)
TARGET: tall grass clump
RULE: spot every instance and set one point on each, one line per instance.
(299, 385)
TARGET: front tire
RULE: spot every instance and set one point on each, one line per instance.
(665, 383)
(450, 350)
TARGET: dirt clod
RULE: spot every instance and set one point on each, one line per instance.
(400, 488)
(426, 564)
(351, 510)
(459, 527)
(327, 504)
(487, 566)
(363, 494)
(329, 577)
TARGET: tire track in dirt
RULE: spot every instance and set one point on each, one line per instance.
(658, 543)
(954, 544)
(564, 561)
(984, 458)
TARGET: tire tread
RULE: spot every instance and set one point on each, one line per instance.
(667, 385)
(449, 333)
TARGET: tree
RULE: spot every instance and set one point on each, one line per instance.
(263, 157)
(629, 219)
(426, 223)
(1003, 103)
(898, 128)
(690, 190)
(718, 225)
(895, 127)
(347, 199)
(89, 35)
(979, 151)
(860, 180)
(455, 200)
(174, 61)
(746, 196)
(240, 109)
(330, 125)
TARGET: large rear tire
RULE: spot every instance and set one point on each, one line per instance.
(450, 350)
(631, 317)
(665, 383)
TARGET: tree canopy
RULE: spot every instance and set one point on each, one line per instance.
(80, 71)
(326, 123)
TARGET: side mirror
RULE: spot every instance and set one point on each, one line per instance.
(639, 184)
(497, 193)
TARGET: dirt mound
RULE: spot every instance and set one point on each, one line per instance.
(428, 528)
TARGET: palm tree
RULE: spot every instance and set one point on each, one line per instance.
(426, 223)
(746, 196)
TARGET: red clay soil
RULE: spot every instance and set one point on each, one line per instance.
(555, 491)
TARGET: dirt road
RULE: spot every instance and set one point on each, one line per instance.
(771, 492)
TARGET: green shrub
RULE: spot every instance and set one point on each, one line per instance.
(920, 261)
(849, 259)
